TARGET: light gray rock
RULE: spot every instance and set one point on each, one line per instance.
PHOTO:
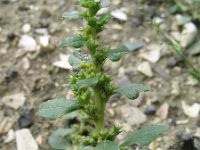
(6, 123)
(28, 43)
(145, 68)
(10, 136)
(132, 115)
(44, 40)
(25, 140)
(26, 28)
(163, 111)
(188, 34)
(119, 14)
(14, 101)
(191, 111)
(63, 62)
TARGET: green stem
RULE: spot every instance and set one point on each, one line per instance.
(100, 104)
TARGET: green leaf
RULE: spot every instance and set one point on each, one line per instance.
(74, 41)
(104, 3)
(133, 90)
(56, 108)
(87, 3)
(118, 53)
(184, 20)
(71, 115)
(86, 148)
(104, 19)
(90, 82)
(107, 145)
(57, 139)
(145, 135)
(71, 15)
(74, 61)
(195, 48)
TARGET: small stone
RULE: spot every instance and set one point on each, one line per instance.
(171, 62)
(117, 27)
(25, 140)
(26, 28)
(161, 71)
(157, 20)
(63, 62)
(134, 46)
(181, 122)
(39, 139)
(186, 140)
(163, 111)
(10, 136)
(150, 110)
(14, 101)
(191, 111)
(6, 123)
(116, 2)
(28, 43)
(41, 31)
(119, 14)
(137, 22)
(25, 63)
(153, 55)
(145, 68)
(11, 74)
(11, 36)
(154, 145)
(26, 119)
(188, 34)
(44, 40)
(132, 115)
(176, 91)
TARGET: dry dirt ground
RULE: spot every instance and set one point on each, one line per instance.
(32, 72)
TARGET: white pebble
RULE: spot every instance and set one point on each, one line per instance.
(119, 14)
(26, 28)
(188, 34)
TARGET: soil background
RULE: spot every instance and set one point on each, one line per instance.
(32, 72)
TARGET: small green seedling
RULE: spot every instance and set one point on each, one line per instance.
(92, 88)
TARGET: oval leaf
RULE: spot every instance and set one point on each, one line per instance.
(104, 19)
(74, 61)
(118, 53)
(104, 3)
(73, 41)
(71, 15)
(56, 108)
(90, 82)
(57, 139)
(86, 148)
(107, 145)
(145, 135)
(195, 48)
(133, 90)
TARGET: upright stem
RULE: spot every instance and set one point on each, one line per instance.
(100, 104)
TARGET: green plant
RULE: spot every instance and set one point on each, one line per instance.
(187, 7)
(178, 50)
(92, 88)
